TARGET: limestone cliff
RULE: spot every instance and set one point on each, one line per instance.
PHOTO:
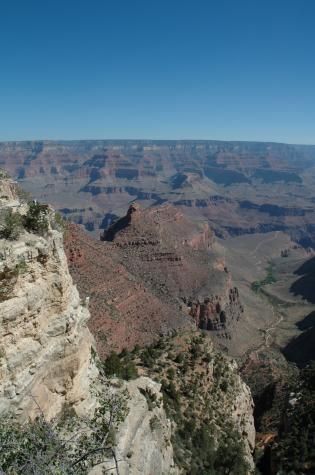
(218, 312)
(45, 344)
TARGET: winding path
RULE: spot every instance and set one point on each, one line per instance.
(264, 241)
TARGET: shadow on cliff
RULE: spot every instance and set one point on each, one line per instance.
(307, 267)
(305, 285)
(301, 350)
(307, 322)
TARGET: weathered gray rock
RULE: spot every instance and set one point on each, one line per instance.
(242, 415)
(144, 438)
(45, 345)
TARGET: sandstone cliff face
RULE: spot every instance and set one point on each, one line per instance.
(45, 344)
(242, 415)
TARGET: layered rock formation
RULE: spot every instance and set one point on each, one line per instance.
(155, 271)
(125, 311)
(45, 343)
(218, 312)
(178, 259)
(240, 187)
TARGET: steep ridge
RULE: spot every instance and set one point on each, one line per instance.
(154, 271)
(177, 259)
(210, 406)
(124, 310)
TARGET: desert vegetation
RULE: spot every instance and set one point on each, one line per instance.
(270, 278)
(120, 366)
(12, 225)
(8, 278)
(35, 221)
(294, 450)
(198, 386)
(67, 445)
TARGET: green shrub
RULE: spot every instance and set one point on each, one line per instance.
(129, 371)
(36, 218)
(121, 367)
(8, 279)
(154, 423)
(147, 357)
(112, 365)
(12, 226)
(171, 373)
(270, 278)
(68, 445)
(179, 358)
(230, 455)
(294, 448)
(150, 398)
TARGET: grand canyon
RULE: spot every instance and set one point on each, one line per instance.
(189, 257)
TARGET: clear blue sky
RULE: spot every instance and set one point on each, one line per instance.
(224, 69)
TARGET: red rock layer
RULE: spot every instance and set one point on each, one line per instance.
(124, 312)
(154, 271)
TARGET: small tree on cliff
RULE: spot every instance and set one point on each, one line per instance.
(11, 225)
(68, 445)
(36, 218)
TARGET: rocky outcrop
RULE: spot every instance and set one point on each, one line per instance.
(145, 435)
(214, 200)
(242, 415)
(45, 343)
(218, 313)
(124, 311)
(144, 438)
(154, 271)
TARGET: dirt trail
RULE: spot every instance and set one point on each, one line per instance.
(264, 241)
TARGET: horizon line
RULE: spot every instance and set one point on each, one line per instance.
(159, 140)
